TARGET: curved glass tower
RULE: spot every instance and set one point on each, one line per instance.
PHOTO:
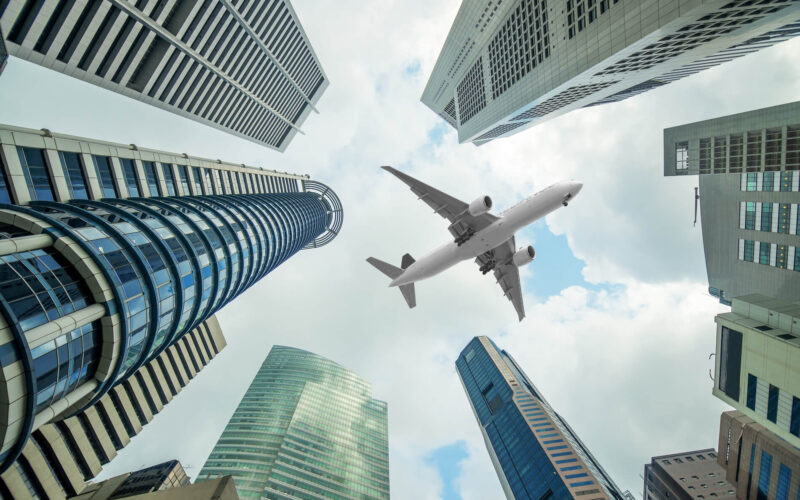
(92, 289)
(305, 428)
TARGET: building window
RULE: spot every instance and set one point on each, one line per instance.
(750, 215)
(105, 176)
(184, 179)
(705, 156)
(752, 383)
(5, 196)
(36, 175)
(682, 156)
(786, 181)
(73, 174)
(131, 179)
(794, 423)
(730, 362)
(764, 253)
(784, 478)
(772, 403)
(768, 183)
(169, 178)
(766, 215)
(152, 181)
(781, 257)
(793, 148)
(772, 149)
(784, 215)
(720, 154)
(752, 182)
(754, 151)
(749, 251)
(199, 187)
(763, 476)
(736, 153)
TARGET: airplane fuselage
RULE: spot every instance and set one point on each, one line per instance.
(508, 223)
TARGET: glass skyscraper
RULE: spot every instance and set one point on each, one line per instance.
(306, 428)
(110, 253)
(534, 451)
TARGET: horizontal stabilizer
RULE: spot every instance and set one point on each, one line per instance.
(407, 261)
(409, 295)
(386, 268)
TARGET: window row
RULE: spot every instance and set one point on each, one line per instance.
(770, 254)
(771, 181)
(779, 406)
(783, 218)
(753, 151)
(161, 179)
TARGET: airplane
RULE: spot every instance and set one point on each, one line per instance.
(479, 235)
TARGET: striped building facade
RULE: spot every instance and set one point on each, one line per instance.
(508, 65)
(534, 451)
(61, 456)
(111, 253)
(244, 67)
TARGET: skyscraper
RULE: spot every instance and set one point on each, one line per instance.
(749, 167)
(306, 427)
(757, 462)
(93, 289)
(61, 456)
(509, 65)
(534, 451)
(247, 68)
(687, 475)
(758, 361)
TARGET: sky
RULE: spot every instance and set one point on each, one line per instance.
(619, 323)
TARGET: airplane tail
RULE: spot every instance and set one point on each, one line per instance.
(393, 272)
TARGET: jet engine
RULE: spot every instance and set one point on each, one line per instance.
(524, 256)
(480, 206)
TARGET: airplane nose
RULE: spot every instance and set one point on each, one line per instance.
(577, 187)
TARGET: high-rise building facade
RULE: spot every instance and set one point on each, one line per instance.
(247, 68)
(749, 167)
(686, 476)
(509, 65)
(760, 464)
(758, 362)
(306, 428)
(61, 456)
(534, 451)
(111, 253)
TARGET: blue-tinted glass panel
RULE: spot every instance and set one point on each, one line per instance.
(772, 403)
(749, 250)
(152, 180)
(131, 179)
(36, 174)
(794, 423)
(207, 175)
(5, 195)
(105, 176)
(199, 187)
(73, 174)
(784, 478)
(763, 476)
(764, 253)
(769, 181)
(752, 383)
(169, 179)
(766, 217)
(184, 179)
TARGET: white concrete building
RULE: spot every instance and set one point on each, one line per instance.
(248, 69)
(509, 64)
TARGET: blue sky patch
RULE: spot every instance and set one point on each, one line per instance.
(447, 461)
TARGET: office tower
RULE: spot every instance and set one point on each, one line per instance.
(749, 203)
(149, 245)
(757, 362)
(687, 475)
(509, 65)
(306, 428)
(534, 451)
(61, 456)
(759, 463)
(246, 68)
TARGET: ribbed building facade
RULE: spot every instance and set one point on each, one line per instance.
(749, 168)
(305, 428)
(244, 67)
(511, 64)
(534, 451)
(61, 456)
(110, 254)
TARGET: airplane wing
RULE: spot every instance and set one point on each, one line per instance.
(452, 209)
(506, 272)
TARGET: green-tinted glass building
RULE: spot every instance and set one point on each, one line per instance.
(306, 428)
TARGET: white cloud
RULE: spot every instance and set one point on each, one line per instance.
(627, 369)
